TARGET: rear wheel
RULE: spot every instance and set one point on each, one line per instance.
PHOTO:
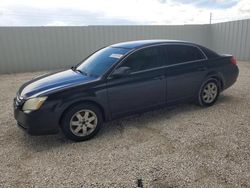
(209, 92)
(82, 122)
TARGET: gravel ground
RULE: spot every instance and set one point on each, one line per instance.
(181, 146)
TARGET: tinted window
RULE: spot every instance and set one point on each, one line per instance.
(182, 53)
(144, 59)
(98, 63)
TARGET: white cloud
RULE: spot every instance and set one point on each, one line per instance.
(237, 12)
(87, 12)
(57, 23)
(243, 7)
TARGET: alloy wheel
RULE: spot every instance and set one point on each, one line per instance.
(210, 92)
(83, 123)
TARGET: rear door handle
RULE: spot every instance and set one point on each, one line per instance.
(202, 68)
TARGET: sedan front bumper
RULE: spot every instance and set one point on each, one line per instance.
(38, 122)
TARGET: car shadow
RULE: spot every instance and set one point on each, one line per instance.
(41, 143)
(158, 115)
(225, 98)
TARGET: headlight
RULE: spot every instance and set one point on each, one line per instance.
(33, 104)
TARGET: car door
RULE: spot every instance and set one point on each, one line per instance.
(185, 71)
(143, 87)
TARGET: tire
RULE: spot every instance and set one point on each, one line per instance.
(82, 122)
(209, 92)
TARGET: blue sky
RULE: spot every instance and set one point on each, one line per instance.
(211, 4)
(119, 12)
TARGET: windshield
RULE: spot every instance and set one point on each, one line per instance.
(99, 62)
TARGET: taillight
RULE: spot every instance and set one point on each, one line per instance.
(233, 60)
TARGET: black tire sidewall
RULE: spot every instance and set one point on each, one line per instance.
(201, 101)
(68, 115)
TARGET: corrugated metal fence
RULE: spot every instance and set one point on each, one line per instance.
(233, 38)
(45, 48)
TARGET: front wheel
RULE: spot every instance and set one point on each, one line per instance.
(82, 122)
(208, 93)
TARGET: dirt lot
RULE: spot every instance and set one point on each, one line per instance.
(182, 146)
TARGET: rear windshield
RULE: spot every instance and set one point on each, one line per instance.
(99, 62)
(209, 53)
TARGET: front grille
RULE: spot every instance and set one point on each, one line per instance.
(18, 101)
(19, 98)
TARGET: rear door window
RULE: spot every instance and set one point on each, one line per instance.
(181, 53)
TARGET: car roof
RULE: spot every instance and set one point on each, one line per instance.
(143, 43)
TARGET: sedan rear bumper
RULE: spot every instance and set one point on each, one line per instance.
(231, 76)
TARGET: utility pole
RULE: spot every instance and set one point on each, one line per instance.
(210, 19)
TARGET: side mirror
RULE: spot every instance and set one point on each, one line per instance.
(121, 71)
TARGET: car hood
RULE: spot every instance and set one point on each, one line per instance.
(53, 82)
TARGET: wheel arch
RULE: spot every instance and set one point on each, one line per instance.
(83, 102)
(217, 76)
(214, 78)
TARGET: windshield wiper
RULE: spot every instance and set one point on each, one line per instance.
(73, 68)
(78, 70)
(82, 72)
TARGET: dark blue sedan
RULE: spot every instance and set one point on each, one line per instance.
(119, 80)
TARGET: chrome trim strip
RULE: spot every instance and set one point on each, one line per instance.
(166, 66)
